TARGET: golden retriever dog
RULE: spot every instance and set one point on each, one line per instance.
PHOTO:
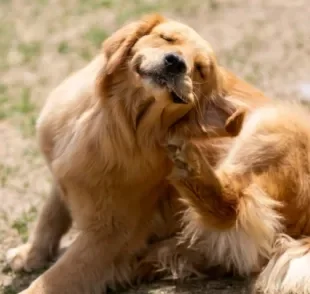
(250, 211)
(102, 133)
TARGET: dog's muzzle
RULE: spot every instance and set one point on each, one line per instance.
(168, 74)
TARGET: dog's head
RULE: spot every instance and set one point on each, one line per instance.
(169, 76)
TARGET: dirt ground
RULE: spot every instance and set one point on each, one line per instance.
(42, 41)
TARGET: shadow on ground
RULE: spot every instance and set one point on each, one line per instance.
(220, 286)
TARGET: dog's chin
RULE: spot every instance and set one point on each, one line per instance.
(159, 82)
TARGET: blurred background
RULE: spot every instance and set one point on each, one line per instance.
(267, 42)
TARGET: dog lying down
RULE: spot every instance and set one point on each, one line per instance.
(104, 134)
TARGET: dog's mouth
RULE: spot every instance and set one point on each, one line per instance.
(164, 81)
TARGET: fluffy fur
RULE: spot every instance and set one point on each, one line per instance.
(101, 132)
(250, 211)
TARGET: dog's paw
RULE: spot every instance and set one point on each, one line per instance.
(25, 258)
(183, 156)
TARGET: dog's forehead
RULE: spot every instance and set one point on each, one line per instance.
(184, 33)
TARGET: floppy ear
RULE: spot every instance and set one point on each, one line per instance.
(117, 47)
(235, 121)
(223, 117)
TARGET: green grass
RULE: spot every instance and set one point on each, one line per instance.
(85, 6)
(7, 33)
(8, 290)
(24, 104)
(20, 108)
(96, 35)
(4, 99)
(28, 126)
(30, 51)
(6, 171)
(135, 8)
(85, 53)
(31, 153)
(63, 47)
(21, 224)
(3, 89)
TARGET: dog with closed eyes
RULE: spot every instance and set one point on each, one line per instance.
(102, 132)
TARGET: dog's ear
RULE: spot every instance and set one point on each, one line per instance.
(224, 118)
(235, 121)
(117, 47)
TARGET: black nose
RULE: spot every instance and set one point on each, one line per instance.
(174, 64)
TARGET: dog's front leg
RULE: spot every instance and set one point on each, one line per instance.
(84, 268)
(54, 221)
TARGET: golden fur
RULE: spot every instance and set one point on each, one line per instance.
(101, 132)
(250, 211)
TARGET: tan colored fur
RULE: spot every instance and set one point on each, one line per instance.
(101, 132)
(242, 211)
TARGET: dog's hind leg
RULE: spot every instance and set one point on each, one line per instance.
(212, 197)
(54, 221)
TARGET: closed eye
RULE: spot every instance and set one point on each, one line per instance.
(167, 38)
(199, 68)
